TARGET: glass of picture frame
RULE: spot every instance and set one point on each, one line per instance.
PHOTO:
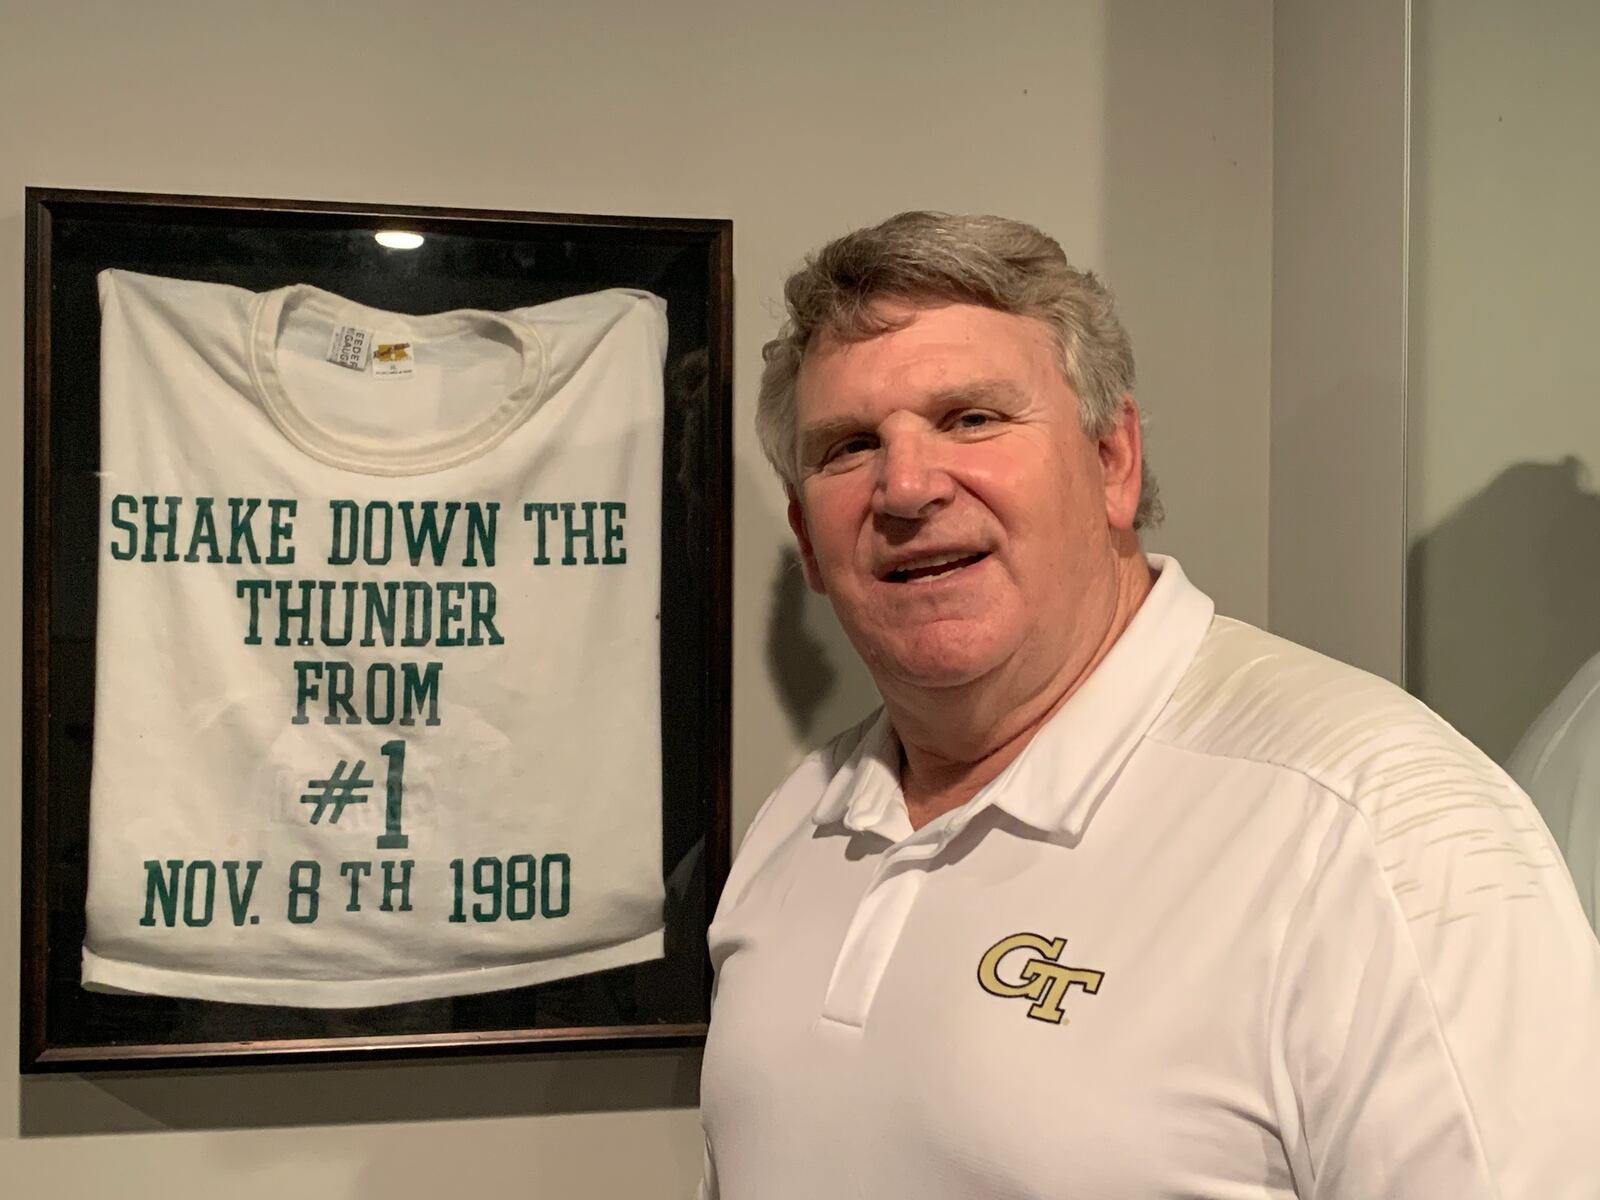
(376, 629)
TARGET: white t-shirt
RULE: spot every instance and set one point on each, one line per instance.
(377, 699)
(1240, 921)
(1558, 763)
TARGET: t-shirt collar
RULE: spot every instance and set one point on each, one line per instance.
(1057, 781)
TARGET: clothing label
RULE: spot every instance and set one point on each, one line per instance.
(392, 360)
(350, 347)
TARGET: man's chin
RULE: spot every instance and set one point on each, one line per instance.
(938, 655)
(933, 671)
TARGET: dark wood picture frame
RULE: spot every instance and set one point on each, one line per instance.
(477, 259)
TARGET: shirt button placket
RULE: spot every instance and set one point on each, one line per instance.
(876, 927)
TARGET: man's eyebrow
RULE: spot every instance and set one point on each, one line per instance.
(819, 435)
(977, 391)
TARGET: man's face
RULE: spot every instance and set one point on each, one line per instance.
(951, 506)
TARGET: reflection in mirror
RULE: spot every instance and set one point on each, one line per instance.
(1503, 443)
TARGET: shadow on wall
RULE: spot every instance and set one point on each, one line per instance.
(819, 680)
(797, 657)
(1503, 601)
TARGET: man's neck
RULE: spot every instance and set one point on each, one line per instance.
(956, 741)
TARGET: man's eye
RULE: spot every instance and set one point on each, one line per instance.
(858, 444)
(973, 419)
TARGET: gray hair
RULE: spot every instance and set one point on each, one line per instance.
(938, 258)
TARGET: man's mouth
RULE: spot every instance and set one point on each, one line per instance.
(933, 566)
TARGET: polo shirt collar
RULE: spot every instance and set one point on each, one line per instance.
(1059, 778)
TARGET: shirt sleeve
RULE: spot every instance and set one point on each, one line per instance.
(1436, 1012)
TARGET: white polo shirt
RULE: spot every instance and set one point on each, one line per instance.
(1240, 921)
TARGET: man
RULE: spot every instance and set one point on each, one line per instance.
(1115, 897)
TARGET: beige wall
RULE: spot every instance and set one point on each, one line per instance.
(1504, 458)
(1137, 131)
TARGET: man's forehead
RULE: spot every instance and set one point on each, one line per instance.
(885, 316)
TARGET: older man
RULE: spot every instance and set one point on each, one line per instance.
(1115, 897)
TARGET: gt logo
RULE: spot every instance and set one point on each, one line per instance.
(1042, 979)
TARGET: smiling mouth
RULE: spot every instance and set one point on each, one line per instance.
(934, 567)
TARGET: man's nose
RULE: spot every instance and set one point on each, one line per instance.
(913, 478)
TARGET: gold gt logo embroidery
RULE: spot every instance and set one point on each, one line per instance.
(1041, 978)
(392, 352)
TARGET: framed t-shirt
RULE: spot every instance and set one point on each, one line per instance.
(377, 628)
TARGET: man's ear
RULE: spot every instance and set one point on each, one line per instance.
(1121, 450)
(808, 560)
